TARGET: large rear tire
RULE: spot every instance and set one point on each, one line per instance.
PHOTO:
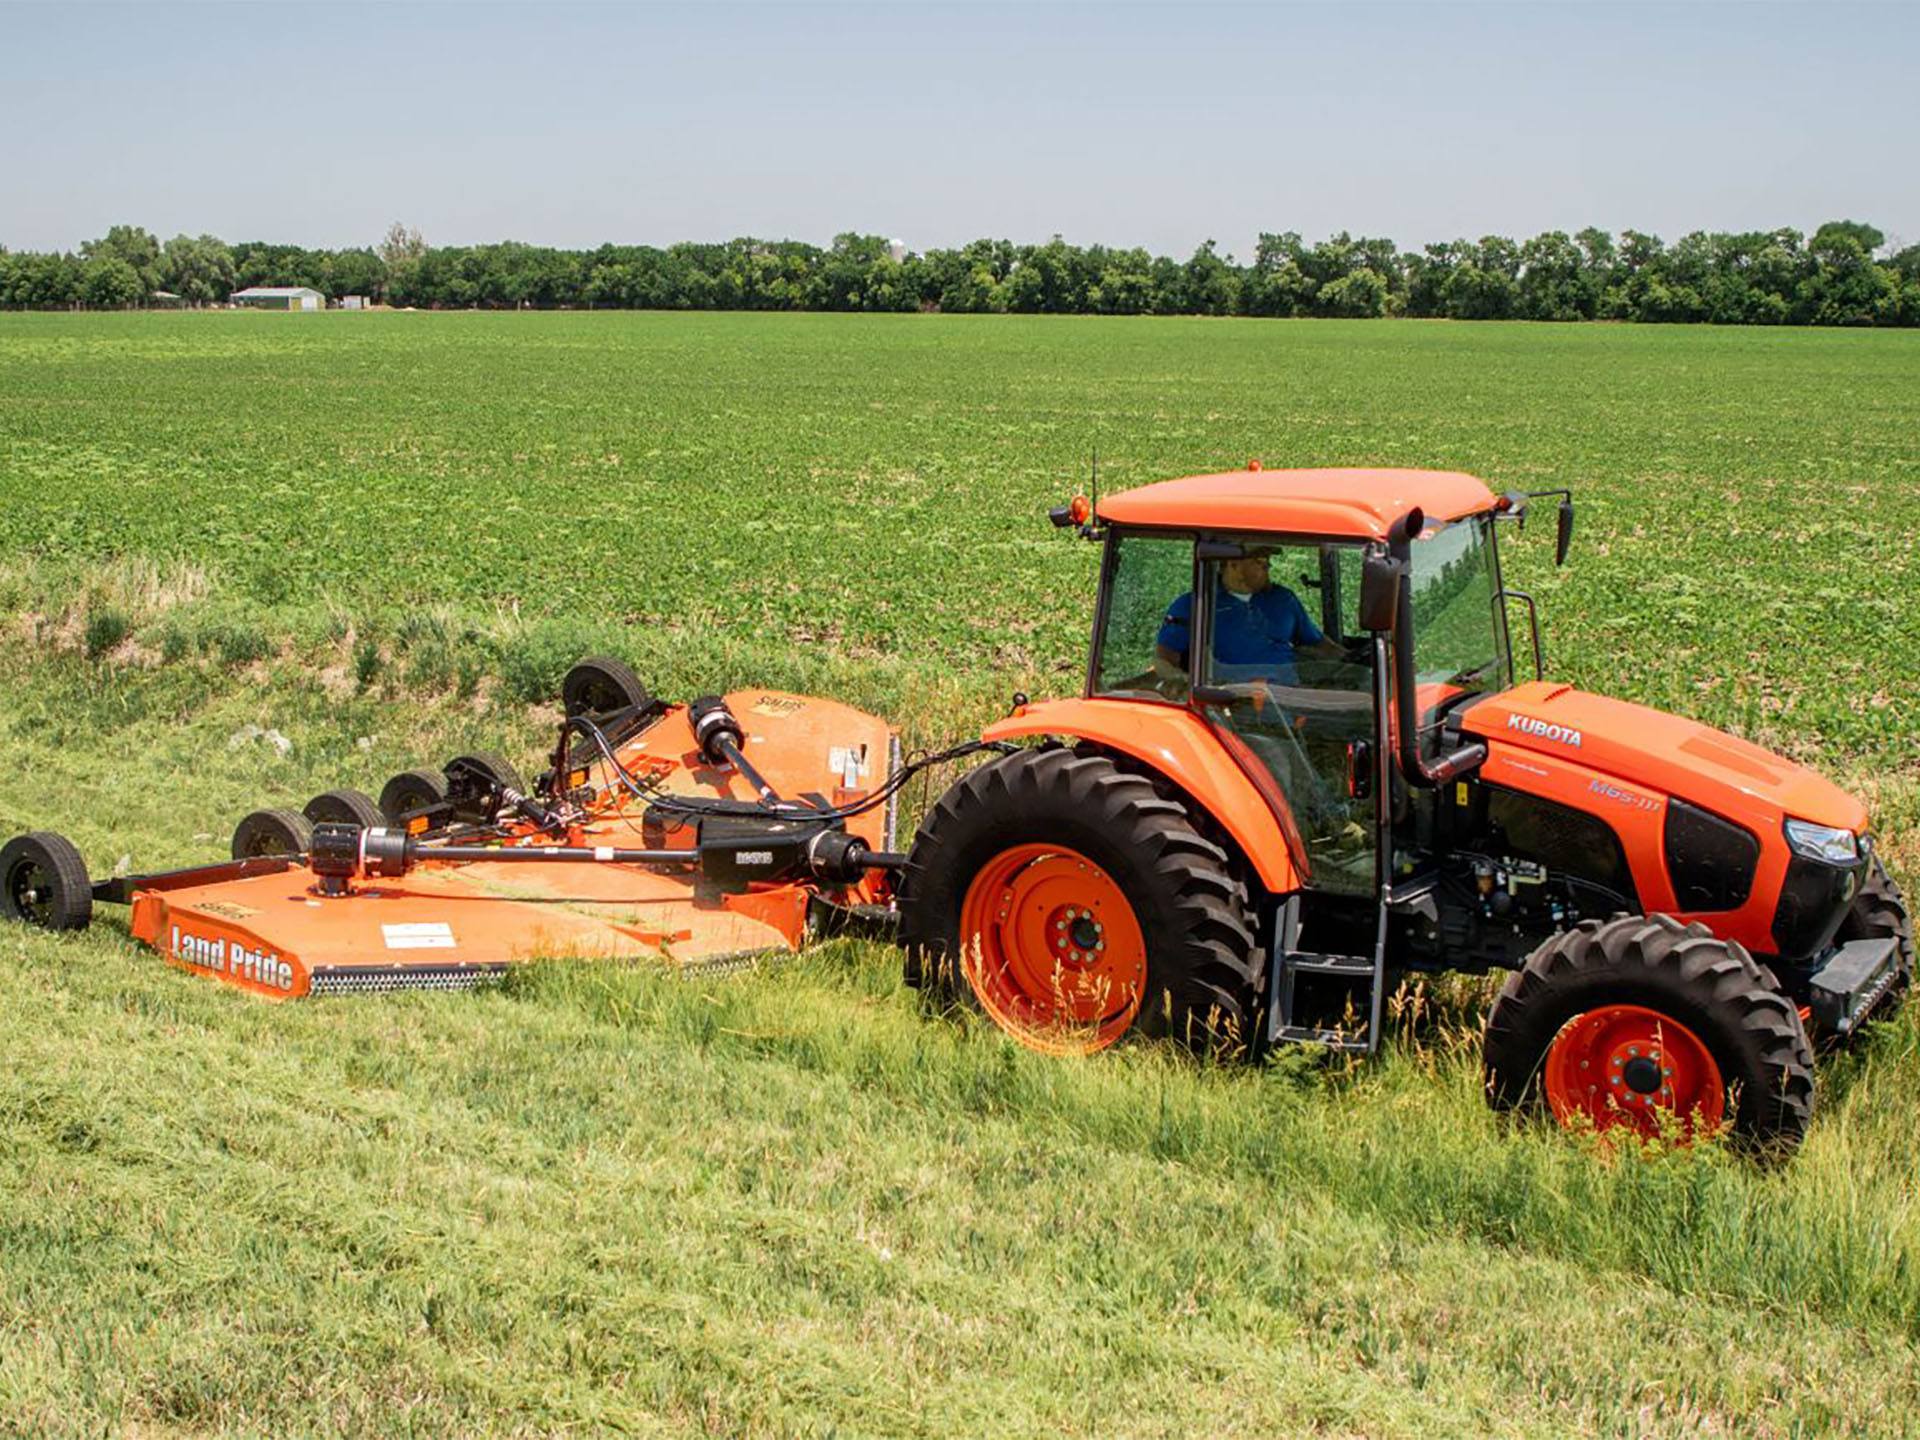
(1618, 1023)
(1073, 903)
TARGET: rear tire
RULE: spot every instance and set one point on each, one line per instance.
(43, 882)
(1879, 910)
(1667, 1018)
(344, 807)
(1073, 903)
(271, 832)
(601, 685)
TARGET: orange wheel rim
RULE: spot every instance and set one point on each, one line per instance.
(1626, 1065)
(1052, 948)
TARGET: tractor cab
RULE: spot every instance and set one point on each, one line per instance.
(1275, 622)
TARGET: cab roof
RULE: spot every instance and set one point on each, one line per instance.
(1356, 503)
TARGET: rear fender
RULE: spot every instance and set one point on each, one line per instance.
(1177, 745)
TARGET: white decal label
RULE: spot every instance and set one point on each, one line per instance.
(426, 936)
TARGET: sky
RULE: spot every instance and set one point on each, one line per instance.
(1161, 125)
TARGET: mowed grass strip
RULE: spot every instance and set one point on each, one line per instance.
(788, 1202)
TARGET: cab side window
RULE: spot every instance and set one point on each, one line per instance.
(1150, 572)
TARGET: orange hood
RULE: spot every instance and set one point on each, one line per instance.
(1657, 751)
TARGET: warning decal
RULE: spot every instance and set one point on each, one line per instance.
(434, 935)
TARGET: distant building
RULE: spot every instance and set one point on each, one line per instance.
(164, 300)
(354, 302)
(897, 249)
(279, 297)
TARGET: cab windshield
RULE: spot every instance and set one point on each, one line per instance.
(1460, 629)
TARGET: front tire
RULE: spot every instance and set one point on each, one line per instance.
(1073, 903)
(1879, 911)
(1618, 1023)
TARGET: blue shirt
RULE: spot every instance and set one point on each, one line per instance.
(1254, 635)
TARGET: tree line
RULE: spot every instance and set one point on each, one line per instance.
(1844, 273)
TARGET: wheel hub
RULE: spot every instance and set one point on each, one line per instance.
(1052, 948)
(1623, 1064)
(1642, 1074)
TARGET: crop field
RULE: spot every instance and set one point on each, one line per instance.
(247, 557)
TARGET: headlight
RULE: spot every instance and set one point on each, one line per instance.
(1822, 842)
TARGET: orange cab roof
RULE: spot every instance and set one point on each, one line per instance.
(1358, 503)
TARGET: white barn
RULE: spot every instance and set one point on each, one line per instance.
(279, 297)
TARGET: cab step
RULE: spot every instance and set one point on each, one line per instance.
(1307, 988)
(1342, 1040)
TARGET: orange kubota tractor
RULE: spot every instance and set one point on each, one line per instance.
(1305, 764)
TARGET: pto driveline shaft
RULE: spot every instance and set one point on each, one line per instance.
(583, 854)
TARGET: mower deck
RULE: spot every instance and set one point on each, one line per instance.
(448, 924)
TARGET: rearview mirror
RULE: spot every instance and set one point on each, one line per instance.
(1565, 537)
(1379, 592)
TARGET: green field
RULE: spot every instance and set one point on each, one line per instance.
(602, 1201)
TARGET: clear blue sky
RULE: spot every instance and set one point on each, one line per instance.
(1157, 125)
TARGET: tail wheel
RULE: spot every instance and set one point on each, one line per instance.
(43, 882)
(1879, 911)
(344, 807)
(411, 790)
(1073, 902)
(600, 685)
(271, 832)
(1639, 1023)
(474, 781)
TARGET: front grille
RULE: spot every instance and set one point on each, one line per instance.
(1814, 899)
(1709, 860)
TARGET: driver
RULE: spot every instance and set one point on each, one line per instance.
(1258, 626)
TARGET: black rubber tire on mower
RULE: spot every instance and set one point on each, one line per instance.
(1711, 986)
(271, 832)
(1203, 967)
(412, 790)
(1880, 910)
(43, 882)
(600, 685)
(344, 807)
(496, 768)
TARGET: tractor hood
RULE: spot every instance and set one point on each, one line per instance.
(1663, 753)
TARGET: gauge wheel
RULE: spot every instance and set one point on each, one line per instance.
(600, 685)
(344, 807)
(272, 832)
(474, 781)
(411, 790)
(43, 882)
